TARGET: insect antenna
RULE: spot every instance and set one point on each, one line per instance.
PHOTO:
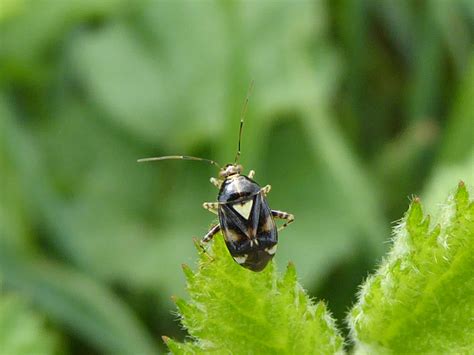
(242, 116)
(178, 157)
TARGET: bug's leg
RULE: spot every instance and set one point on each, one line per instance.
(283, 215)
(251, 174)
(209, 235)
(211, 206)
(207, 238)
(266, 189)
(200, 247)
(216, 182)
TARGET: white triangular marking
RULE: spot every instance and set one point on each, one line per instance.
(244, 208)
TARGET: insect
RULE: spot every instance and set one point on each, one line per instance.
(245, 219)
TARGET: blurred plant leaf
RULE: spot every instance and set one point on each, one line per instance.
(31, 29)
(456, 157)
(397, 166)
(420, 41)
(424, 88)
(85, 150)
(349, 178)
(76, 301)
(13, 202)
(81, 202)
(22, 331)
(142, 86)
(420, 300)
(326, 230)
(455, 25)
(63, 294)
(239, 311)
(458, 140)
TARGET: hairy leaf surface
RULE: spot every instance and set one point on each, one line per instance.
(239, 311)
(421, 299)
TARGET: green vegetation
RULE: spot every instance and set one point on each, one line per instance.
(420, 300)
(357, 105)
(237, 310)
(22, 332)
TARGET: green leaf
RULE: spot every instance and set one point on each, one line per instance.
(22, 331)
(239, 311)
(421, 299)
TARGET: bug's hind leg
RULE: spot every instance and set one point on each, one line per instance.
(209, 235)
(211, 206)
(207, 238)
(283, 215)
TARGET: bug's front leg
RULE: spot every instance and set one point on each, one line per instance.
(211, 206)
(216, 182)
(251, 174)
(283, 215)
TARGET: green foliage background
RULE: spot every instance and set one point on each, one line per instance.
(357, 105)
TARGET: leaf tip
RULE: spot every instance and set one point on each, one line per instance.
(171, 344)
(461, 195)
(197, 245)
(188, 272)
(290, 274)
(415, 212)
(184, 308)
(291, 266)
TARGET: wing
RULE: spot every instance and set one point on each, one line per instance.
(267, 234)
(237, 222)
(248, 225)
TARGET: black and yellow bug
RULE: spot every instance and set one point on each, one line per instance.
(246, 220)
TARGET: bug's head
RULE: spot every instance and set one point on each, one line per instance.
(230, 169)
